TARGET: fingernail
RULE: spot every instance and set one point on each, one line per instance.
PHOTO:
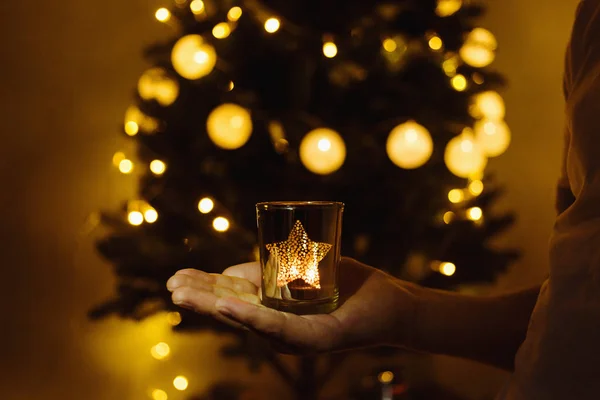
(178, 298)
(174, 282)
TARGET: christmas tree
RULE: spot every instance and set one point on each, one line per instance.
(389, 107)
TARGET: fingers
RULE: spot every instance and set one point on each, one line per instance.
(248, 271)
(204, 281)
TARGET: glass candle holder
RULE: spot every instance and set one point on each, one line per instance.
(299, 244)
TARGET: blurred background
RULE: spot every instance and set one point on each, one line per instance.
(67, 73)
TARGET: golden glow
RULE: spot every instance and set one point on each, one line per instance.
(162, 14)
(447, 268)
(435, 43)
(158, 167)
(156, 84)
(221, 30)
(390, 45)
(197, 6)
(322, 151)
(489, 105)
(180, 382)
(463, 156)
(174, 318)
(456, 196)
(446, 8)
(272, 25)
(229, 126)
(474, 213)
(135, 218)
(126, 166)
(150, 215)
(386, 377)
(450, 65)
(158, 394)
(160, 351)
(409, 145)
(234, 14)
(206, 205)
(117, 158)
(479, 48)
(449, 217)
(476, 187)
(192, 57)
(231, 86)
(329, 49)
(131, 128)
(477, 78)
(493, 136)
(221, 224)
(459, 82)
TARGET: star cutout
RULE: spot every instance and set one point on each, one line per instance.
(298, 257)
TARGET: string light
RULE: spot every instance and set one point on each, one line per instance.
(435, 43)
(180, 382)
(477, 78)
(231, 86)
(174, 318)
(150, 215)
(234, 14)
(464, 156)
(158, 394)
(229, 126)
(117, 158)
(479, 48)
(409, 145)
(221, 224)
(493, 136)
(135, 218)
(126, 166)
(131, 128)
(206, 205)
(162, 14)
(475, 213)
(386, 377)
(476, 187)
(197, 6)
(448, 217)
(322, 151)
(272, 25)
(192, 57)
(446, 8)
(488, 105)
(447, 268)
(329, 49)
(160, 351)
(156, 84)
(390, 45)
(158, 167)
(459, 83)
(456, 196)
(221, 30)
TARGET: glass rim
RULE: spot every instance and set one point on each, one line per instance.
(299, 204)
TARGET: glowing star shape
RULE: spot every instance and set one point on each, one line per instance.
(298, 257)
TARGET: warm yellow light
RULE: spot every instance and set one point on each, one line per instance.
(489, 105)
(197, 6)
(464, 156)
(479, 48)
(448, 268)
(435, 43)
(459, 82)
(448, 217)
(450, 65)
(126, 166)
(493, 136)
(390, 45)
(136, 120)
(329, 49)
(386, 377)
(409, 145)
(131, 128)
(174, 318)
(158, 394)
(229, 126)
(474, 213)
(192, 57)
(160, 351)
(150, 215)
(156, 84)
(221, 224)
(234, 14)
(162, 14)
(158, 167)
(180, 382)
(476, 187)
(231, 86)
(221, 30)
(322, 151)
(117, 158)
(135, 218)
(206, 205)
(446, 8)
(456, 196)
(272, 25)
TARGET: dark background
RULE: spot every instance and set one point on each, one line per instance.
(67, 73)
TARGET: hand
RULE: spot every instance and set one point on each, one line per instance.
(375, 308)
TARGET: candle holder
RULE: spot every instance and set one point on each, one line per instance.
(299, 244)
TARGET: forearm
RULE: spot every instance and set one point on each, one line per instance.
(485, 329)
